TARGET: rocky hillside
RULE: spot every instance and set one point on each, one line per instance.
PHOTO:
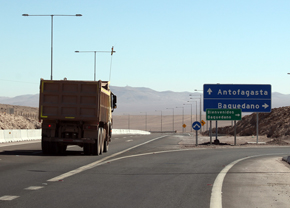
(18, 117)
(275, 124)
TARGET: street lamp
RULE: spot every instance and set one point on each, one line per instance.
(200, 107)
(95, 58)
(51, 36)
(182, 117)
(161, 118)
(195, 109)
(199, 100)
(191, 113)
(145, 120)
(172, 117)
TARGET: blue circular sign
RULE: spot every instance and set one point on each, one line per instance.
(196, 125)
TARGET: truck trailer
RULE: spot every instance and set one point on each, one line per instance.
(76, 113)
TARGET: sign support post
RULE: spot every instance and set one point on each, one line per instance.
(210, 133)
(235, 136)
(196, 126)
(216, 141)
(257, 128)
(196, 138)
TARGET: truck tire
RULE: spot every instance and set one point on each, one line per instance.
(45, 147)
(106, 142)
(54, 148)
(101, 140)
(62, 149)
(87, 149)
(106, 145)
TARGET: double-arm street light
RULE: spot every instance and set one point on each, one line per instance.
(195, 108)
(95, 58)
(199, 102)
(51, 38)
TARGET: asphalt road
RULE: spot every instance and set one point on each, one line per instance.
(145, 171)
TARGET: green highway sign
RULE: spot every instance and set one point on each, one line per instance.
(223, 114)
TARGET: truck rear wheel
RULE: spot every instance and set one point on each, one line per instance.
(87, 149)
(45, 147)
(100, 141)
(106, 145)
(106, 142)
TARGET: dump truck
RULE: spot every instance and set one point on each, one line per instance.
(76, 113)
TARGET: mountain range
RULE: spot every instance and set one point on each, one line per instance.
(134, 100)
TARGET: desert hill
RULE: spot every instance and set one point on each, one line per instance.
(133, 100)
(275, 124)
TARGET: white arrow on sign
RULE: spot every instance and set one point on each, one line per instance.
(209, 91)
(265, 106)
(196, 125)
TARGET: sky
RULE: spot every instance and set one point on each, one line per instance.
(176, 45)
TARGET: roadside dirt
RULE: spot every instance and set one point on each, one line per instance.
(18, 117)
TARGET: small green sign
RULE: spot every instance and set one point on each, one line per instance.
(223, 114)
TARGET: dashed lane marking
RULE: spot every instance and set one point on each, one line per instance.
(129, 140)
(33, 188)
(97, 163)
(8, 198)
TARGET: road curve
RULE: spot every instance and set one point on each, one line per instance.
(159, 173)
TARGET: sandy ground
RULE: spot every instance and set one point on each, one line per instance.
(21, 117)
(153, 122)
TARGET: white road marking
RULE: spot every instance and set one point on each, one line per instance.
(102, 162)
(129, 140)
(216, 191)
(97, 163)
(33, 188)
(8, 198)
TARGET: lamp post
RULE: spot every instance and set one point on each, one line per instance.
(191, 114)
(161, 118)
(182, 117)
(95, 58)
(199, 103)
(51, 36)
(172, 118)
(145, 120)
(195, 109)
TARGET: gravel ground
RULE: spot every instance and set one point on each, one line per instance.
(21, 118)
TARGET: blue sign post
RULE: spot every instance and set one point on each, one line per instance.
(248, 98)
(196, 126)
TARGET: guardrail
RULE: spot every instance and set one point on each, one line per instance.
(18, 135)
(129, 131)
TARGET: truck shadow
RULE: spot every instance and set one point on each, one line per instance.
(39, 153)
